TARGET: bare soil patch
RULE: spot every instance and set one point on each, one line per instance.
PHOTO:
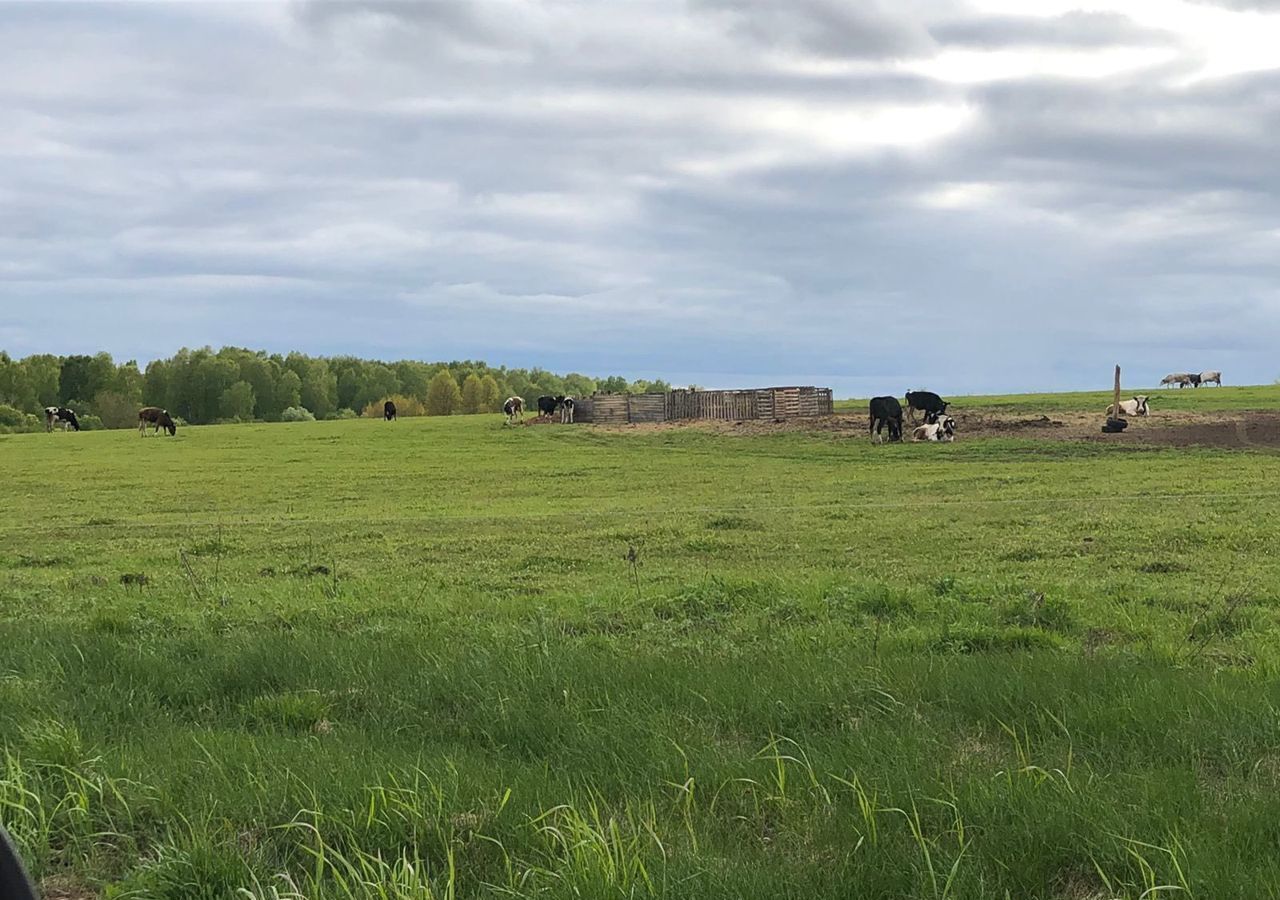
(1231, 430)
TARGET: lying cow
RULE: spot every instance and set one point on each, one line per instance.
(1212, 375)
(160, 418)
(60, 415)
(514, 409)
(885, 411)
(926, 402)
(943, 430)
(389, 411)
(1135, 407)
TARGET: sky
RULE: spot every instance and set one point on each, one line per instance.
(986, 196)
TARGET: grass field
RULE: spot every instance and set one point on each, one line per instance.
(444, 658)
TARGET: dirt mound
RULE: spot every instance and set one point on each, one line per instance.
(1235, 430)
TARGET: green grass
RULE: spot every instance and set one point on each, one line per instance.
(1205, 399)
(442, 658)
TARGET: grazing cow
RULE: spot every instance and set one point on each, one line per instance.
(928, 403)
(885, 411)
(566, 411)
(1212, 375)
(1135, 407)
(943, 430)
(514, 408)
(389, 411)
(55, 415)
(547, 405)
(160, 418)
(1181, 379)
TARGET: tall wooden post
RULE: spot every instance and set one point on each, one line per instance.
(1115, 407)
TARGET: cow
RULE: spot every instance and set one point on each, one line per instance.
(514, 408)
(566, 411)
(1193, 379)
(1135, 407)
(160, 418)
(547, 405)
(1211, 375)
(885, 411)
(943, 430)
(60, 415)
(389, 411)
(1181, 379)
(928, 403)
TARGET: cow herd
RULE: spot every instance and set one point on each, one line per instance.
(548, 406)
(886, 412)
(1182, 379)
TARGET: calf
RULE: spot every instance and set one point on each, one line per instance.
(514, 408)
(60, 415)
(1211, 376)
(928, 403)
(1135, 407)
(566, 411)
(389, 411)
(160, 418)
(943, 430)
(885, 411)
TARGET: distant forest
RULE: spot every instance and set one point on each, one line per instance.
(205, 386)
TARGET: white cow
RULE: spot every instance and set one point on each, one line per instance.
(1181, 379)
(1135, 407)
(1212, 375)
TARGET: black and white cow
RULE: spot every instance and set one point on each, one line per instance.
(885, 411)
(514, 408)
(55, 415)
(389, 411)
(943, 429)
(566, 411)
(1135, 407)
(928, 403)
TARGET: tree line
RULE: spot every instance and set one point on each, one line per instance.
(234, 384)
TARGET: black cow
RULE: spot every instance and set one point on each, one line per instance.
(160, 418)
(389, 411)
(886, 411)
(60, 415)
(928, 403)
(547, 405)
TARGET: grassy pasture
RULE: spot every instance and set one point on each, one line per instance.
(413, 660)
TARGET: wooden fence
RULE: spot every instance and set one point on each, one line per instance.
(733, 406)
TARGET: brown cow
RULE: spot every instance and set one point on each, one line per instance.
(160, 418)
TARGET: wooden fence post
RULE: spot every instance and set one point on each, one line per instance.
(1115, 409)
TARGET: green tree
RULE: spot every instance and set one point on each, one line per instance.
(320, 389)
(237, 401)
(288, 393)
(472, 395)
(43, 374)
(127, 382)
(614, 384)
(85, 376)
(15, 388)
(443, 396)
(490, 394)
(116, 410)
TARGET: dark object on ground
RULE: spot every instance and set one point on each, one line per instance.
(1115, 426)
(14, 883)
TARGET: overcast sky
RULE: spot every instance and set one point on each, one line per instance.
(993, 195)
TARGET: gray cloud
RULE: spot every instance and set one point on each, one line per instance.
(729, 191)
